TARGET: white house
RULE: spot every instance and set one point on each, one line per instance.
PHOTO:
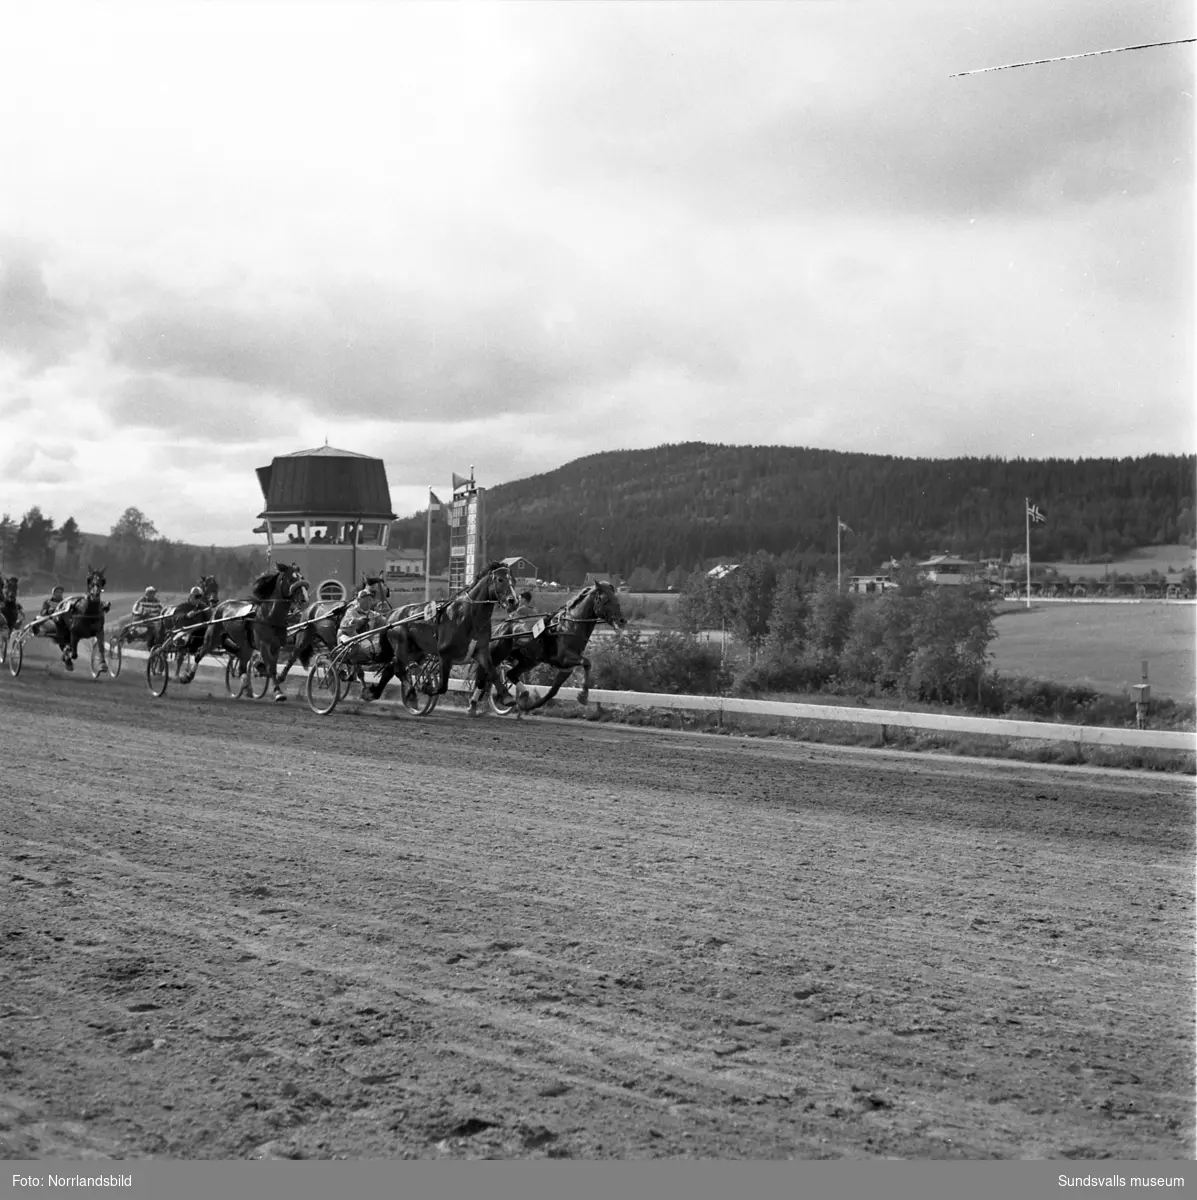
(405, 562)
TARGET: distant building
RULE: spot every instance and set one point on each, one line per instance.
(522, 571)
(869, 584)
(946, 569)
(722, 570)
(405, 562)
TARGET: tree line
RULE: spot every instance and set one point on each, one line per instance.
(654, 516)
(133, 554)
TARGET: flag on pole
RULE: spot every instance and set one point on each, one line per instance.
(1036, 513)
(434, 503)
(844, 527)
(459, 481)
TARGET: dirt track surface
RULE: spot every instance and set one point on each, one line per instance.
(235, 929)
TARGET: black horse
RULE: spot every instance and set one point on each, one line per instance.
(83, 617)
(320, 620)
(242, 626)
(558, 639)
(453, 630)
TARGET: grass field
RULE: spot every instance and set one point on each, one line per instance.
(1101, 645)
(1168, 560)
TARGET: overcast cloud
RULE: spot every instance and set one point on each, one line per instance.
(510, 235)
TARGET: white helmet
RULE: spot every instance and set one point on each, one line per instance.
(151, 591)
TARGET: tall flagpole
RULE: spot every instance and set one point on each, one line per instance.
(428, 552)
(839, 570)
(1026, 508)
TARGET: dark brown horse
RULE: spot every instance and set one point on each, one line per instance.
(318, 623)
(83, 617)
(242, 626)
(191, 615)
(558, 639)
(452, 630)
(11, 613)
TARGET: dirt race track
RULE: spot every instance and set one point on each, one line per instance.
(234, 929)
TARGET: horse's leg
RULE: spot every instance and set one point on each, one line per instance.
(584, 694)
(528, 706)
(271, 647)
(301, 640)
(389, 653)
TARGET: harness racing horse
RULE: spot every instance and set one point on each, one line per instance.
(242, 626)
(452, 631)
(83, 617)
(11, 612)
(320, 621)
(558, 640)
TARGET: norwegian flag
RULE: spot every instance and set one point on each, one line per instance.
(1036, 514)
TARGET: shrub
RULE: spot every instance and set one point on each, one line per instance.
(669, 662)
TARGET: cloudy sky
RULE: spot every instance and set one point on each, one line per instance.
(510, 235)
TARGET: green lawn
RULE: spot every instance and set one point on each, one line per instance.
(1102, 645)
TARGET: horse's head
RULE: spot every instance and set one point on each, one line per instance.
(606, 605)
(377, 586)
(96, 582)
(10, 588)
(502, 587)
(209, 588)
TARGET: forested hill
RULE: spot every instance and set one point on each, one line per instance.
(675, 508)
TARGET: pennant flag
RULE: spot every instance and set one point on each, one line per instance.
(844, 527)
(459, 481)
(1036, 513)
(434, 503)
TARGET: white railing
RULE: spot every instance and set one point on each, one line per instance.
(1046, 731)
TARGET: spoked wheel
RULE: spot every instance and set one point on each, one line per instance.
(98, 665)
(4, 636)
(115, 654)
(234, 682)
(324, 685)
(184, 665)
(345, 677)
(425, 678)
(157, 671)
(256, 677)
(16, 654)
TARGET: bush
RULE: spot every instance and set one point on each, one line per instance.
(669, 662)
(783, 673)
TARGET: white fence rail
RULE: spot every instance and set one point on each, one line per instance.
(1087, 735)
(1046, 731)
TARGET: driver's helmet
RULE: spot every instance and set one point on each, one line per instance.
(365, 598)
(151, 591)
(57, 591)
(197, 593)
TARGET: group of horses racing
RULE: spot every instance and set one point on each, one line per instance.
(418, 643)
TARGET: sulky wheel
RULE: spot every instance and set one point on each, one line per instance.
(234, 681)
(345, 677)
(115, 653)
(157, 671)
(4, 636)
(425, 680)
(256, 675)
(324, 685)
(16, 653)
